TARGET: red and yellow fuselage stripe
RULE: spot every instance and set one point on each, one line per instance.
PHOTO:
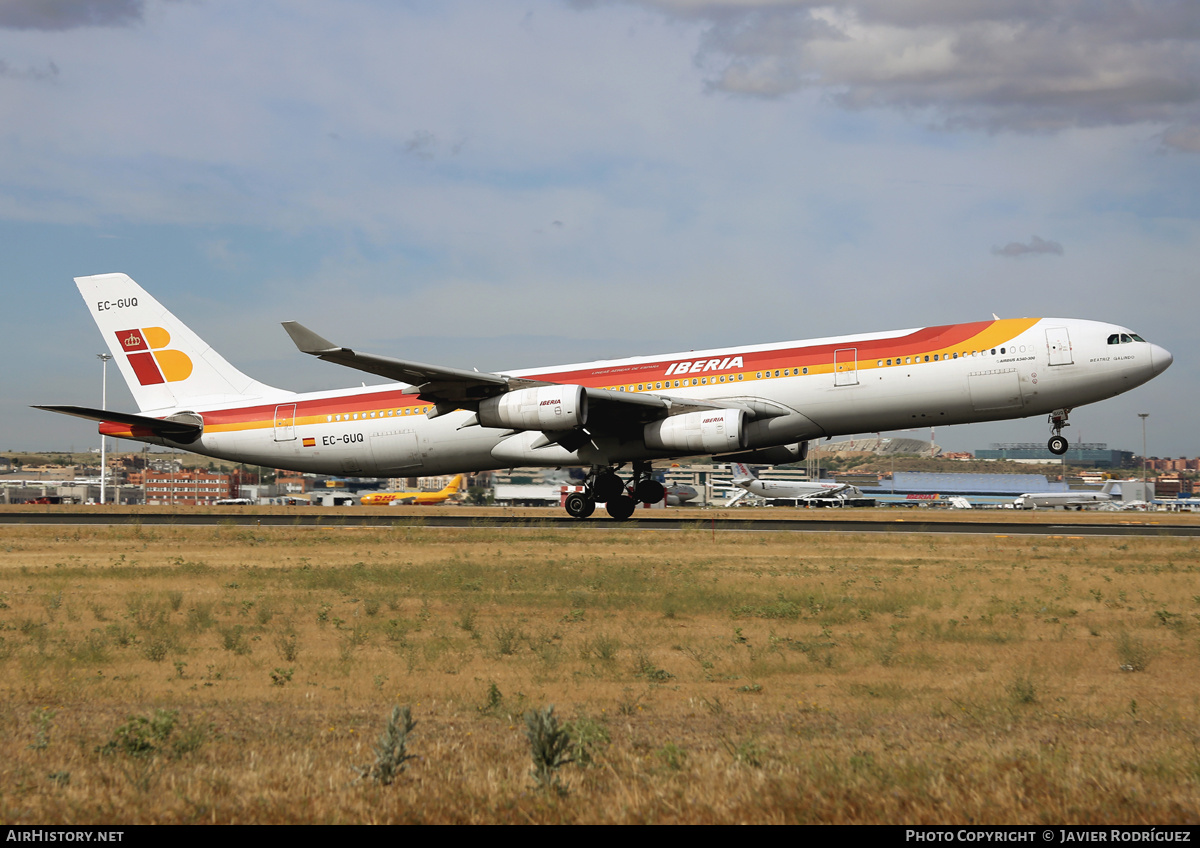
(803, 359)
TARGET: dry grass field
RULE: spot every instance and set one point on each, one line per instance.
(235, 674)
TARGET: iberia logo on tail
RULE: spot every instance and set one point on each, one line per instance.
(151, 360)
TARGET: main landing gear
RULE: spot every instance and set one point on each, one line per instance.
(620, 499)
(1058, 443)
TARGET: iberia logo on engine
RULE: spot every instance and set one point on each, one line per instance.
(151, 360)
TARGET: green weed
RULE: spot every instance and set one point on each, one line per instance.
(549, 747)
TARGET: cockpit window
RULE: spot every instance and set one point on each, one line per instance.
(1124, 338)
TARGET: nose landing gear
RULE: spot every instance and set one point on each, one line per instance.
(1058, 443)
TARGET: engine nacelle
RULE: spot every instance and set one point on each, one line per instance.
(778, 455)
(718, 431)
(540, 408)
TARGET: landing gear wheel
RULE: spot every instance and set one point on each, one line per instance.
(579, 505)
(649, 491)
(621, 508)
(1057, 445)
(608, 486)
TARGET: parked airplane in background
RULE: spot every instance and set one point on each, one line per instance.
(748, 403)
(1064, 500)
(421, 498)
(785, 490)
(680, 494)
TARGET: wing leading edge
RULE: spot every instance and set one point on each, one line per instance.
(453, 388)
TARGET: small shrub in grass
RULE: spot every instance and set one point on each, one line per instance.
(647, 669)
(672, 756)
(602, 647)
(234, 639)
(588, 737)
(1132, 653)
(494, 702)
(43, 720)
(507, 640)
(1022, 691)
(549, 746)
(200, 617)
(155, 650)
(288, 645)
(391, 751)
(143, 743)
(748, 752)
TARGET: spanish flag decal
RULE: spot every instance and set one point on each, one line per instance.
(310, 443)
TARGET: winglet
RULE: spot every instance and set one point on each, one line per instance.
(308, 341)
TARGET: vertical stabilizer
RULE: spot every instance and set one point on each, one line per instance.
(742, 474)
(165, 364)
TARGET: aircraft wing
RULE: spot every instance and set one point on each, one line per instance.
(452, 388)
(434, 383)
(184, 427)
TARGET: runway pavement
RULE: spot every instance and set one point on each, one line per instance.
(808, 521)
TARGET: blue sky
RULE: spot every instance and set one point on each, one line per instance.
(502, 185)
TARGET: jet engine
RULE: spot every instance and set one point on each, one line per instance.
(540, 408)
(718, 431)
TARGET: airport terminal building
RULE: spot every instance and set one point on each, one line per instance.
(1095, 455)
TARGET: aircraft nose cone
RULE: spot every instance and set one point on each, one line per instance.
(1160, 358)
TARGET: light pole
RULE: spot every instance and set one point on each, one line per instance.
(103, 357)
(1143, 416)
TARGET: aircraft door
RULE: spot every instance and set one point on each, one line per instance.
(285, 422)
(845, 366)
(998, 389)
(394, 451)
(1058, 342)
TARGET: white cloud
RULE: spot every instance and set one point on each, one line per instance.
(999, 65)
(1036, 245)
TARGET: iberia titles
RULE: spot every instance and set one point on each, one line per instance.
(700, 365)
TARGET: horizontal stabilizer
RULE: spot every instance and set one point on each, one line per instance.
(186, 430)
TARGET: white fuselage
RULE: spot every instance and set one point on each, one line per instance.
(794, 490)
(820, 388)
(1061, 500)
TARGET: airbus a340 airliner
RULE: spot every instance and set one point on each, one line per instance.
(751, 403)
